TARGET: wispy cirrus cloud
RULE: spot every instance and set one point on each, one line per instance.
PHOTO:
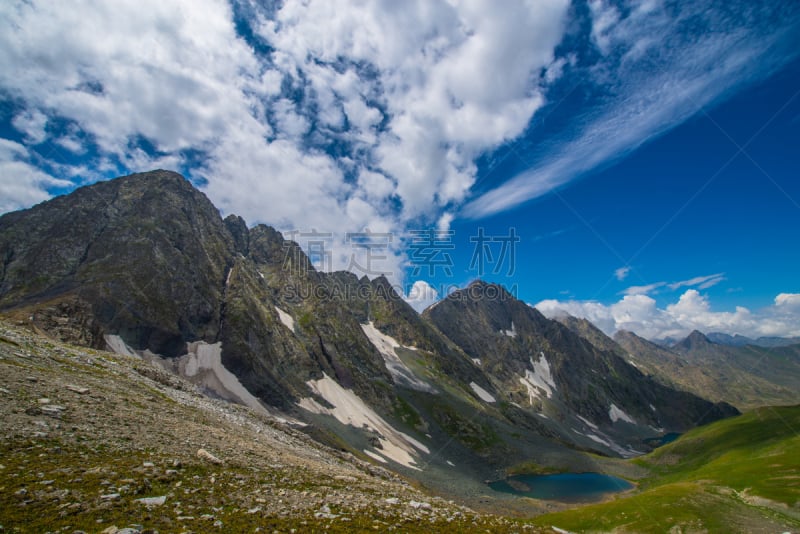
(700, 282)
(654, 72)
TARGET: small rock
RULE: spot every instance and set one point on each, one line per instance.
(205, 455)
(110, 496)
(128, 530)
(345, 478)
(325, 513)
(392, 500)
(419, 505)
(52, 410)
(5, 391)
(110, 530)
(152, 501)
(77, 389)
(148, 464)
(31, 379)
(43, 400)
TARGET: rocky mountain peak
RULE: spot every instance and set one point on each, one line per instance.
(694, 341)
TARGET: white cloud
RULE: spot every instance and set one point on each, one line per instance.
(421, 295)
(701, 282)
(655, 76)
(33, 124)
(692, 311)
(644, 289)
(622, 273)
(21, 183)
(788, 300)
(452, 78)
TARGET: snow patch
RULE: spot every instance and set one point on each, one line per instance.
(598, 439)
(652, 407)
(616, 414)
(260, 274)
(400, 372)
(228, 279)
(589, 423)
(349, 409)
(203, 364)
(484, 395)
(117, 345)
(451, 464)
(512, 332)
(376, 456)
(540, 379)
(476, 361)
(286, 319)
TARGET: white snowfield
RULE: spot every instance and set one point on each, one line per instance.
(286, 319)
(118, 346)
(588, 423)
(512, 332)
(484, 395)
(400, 372)
(539, 379)
(202, 364)
(622, 451)
(349, 409)
(616, 414)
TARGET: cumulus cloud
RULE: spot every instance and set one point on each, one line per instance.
(421, 295)
(622, 273)
(788, 300)
(22, 184)
(692, 311)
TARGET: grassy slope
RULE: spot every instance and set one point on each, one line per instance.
(737, 475)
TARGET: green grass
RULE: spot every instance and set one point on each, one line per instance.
(736, 475)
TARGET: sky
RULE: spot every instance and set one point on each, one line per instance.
(635, 163)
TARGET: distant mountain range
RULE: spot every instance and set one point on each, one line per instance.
(736, 340)
(478, 383)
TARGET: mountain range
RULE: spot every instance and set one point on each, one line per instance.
(145, 265)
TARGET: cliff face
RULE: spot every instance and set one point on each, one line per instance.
(542, 364)
(146, 256)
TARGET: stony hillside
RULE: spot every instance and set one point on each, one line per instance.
(94, 441)
(746, 376)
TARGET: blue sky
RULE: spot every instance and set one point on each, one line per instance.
(645, 153)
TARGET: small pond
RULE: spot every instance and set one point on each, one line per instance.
(564, 487)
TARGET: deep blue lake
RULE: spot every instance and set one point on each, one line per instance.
(564, 487)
